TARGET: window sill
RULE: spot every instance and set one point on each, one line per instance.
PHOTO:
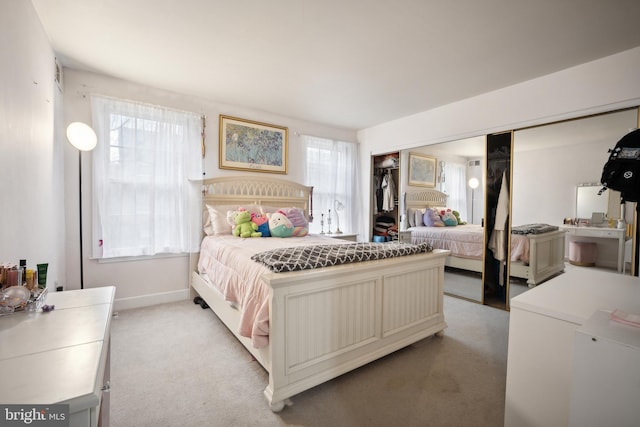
(138, 258)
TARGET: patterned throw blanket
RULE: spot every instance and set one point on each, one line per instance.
(318, 256)
(533, 229)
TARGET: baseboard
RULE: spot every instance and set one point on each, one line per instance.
(148, 300)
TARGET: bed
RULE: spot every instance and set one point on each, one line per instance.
(534, 257)
(321, 322)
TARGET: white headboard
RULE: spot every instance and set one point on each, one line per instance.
(425, 198)
(259, 190)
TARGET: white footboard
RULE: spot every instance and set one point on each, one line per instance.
(546, 256)
(327, 322)
(546, 259)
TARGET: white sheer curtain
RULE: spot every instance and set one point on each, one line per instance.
(332, 170)
(456, 186)
(143, 200)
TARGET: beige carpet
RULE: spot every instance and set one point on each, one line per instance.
(177, 365)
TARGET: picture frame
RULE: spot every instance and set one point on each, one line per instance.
(252, 146)
(422, 170)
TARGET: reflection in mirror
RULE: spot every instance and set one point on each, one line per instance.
(551, 160)
(588, 201)
(458, 163)
(549, 163)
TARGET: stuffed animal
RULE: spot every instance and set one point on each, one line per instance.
(263, 223)
(231, 218)
(457, 215)
(431, 218)
(244, 226)
(448, 218)
(298, 220)
(279, 225)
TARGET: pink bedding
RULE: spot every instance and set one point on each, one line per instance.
(226, 260)
(466, 241)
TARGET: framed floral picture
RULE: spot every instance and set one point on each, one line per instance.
(252, 146)
(422, 170)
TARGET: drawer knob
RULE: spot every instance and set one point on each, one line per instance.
(107, 387)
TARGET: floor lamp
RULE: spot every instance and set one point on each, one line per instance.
(473, 183)
(82, 137)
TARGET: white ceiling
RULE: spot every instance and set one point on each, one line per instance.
(347, 63)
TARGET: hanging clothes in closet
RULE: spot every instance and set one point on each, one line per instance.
(498, 240)
(377, 192)
(388, 192)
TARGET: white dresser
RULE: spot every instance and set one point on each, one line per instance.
(61, 356)
(542, 328)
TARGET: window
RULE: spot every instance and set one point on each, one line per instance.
(332, 170)
(456, 187)
(143, 200)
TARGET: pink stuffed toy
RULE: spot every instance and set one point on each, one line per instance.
(263, 223)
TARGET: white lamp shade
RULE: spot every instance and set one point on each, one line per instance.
(82, 136)
(473, 183)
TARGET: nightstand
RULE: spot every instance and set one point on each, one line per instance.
(404, 236)
(61, 356)
(344, 236)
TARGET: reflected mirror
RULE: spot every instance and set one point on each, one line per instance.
(588, 201)
(548, 164)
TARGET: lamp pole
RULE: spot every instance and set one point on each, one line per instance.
(473, 183)
(82, 137)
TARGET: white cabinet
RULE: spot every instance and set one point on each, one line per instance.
(606, 374)
(542, 327)
(61, 356)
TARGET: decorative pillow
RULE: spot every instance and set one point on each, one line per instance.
(279, 225)
(298, 220)
(431, 218)
(448, 218)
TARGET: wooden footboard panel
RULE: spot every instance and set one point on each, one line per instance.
(546, 259)
(330, 321)
(546, 256)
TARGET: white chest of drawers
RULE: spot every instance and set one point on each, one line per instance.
(61, 356)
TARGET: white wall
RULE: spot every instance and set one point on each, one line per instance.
(32, 217)
(142, 281)
(604, 85)
(545, 181)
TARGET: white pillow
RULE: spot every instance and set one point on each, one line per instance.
(419, 217)
(411, 212)
(217, 222)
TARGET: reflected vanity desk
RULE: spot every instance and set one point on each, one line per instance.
(584, 233)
